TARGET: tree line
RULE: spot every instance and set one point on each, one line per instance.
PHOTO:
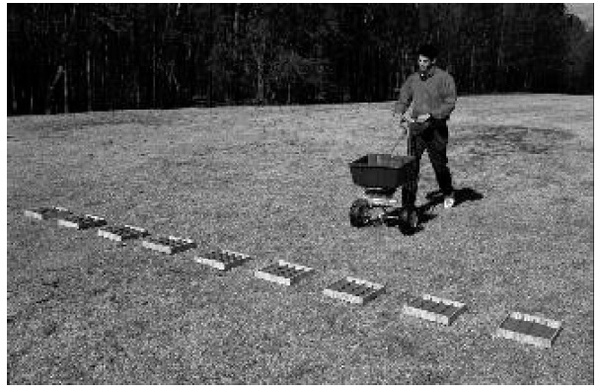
(85, 57)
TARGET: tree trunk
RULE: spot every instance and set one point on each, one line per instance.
(472, 69)
(136, 81)
(88, 73)
(260, 83)
(106, 74)
(236, 29)
(31, 102)
(13, 91)
(153, 74)
(66, 90)
(500, 68)
(236, 52)
(50, 91)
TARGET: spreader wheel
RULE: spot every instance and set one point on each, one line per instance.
(359, 213)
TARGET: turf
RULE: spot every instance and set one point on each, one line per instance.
(274, 182)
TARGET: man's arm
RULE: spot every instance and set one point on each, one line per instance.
(448, 98)
(405, 98)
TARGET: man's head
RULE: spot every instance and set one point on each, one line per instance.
(427, 56)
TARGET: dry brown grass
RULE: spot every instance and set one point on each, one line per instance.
(274, 182)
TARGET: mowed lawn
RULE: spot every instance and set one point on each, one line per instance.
(274, 182)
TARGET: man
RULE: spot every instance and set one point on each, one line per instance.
(426, 100)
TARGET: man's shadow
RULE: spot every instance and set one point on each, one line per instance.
(436, 198)
(425, 211)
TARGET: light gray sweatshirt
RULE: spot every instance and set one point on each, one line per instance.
(436, 95)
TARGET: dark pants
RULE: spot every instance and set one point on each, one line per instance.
(435, 140)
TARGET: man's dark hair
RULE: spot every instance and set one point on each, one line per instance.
(429, 51)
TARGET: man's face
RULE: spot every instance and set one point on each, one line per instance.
(425, 63)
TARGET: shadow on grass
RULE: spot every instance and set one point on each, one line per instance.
(504, 140)
(460, 196)
(436, 198)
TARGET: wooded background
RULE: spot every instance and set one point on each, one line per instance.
(85, 57)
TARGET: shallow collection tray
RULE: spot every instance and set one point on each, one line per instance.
(81, 222)
(45, 213)
(169, 245)
(223, 260)
(524, 328)
(122, 233)
(439, 310)
(283, 272)
(521, 327)
(354, 290)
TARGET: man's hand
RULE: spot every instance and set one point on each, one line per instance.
(423, 117)
(406, 117)
(403, 130)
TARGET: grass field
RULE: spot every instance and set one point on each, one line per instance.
(274, 182)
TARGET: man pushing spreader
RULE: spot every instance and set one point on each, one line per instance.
(426, 100)
(430, 94)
